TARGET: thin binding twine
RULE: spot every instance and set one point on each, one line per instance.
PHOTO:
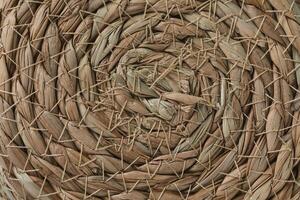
(157, 99)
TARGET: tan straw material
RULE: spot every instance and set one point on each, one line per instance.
(150, 99)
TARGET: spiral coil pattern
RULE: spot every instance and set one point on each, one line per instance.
(156, 99)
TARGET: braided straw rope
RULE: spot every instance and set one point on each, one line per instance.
(150, 99)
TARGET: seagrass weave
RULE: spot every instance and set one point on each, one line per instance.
(150, 99)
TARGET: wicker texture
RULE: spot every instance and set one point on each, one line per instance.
(150, 99)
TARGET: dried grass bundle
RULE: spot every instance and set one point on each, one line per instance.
(150, 99)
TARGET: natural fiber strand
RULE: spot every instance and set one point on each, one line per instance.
(150, 99)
